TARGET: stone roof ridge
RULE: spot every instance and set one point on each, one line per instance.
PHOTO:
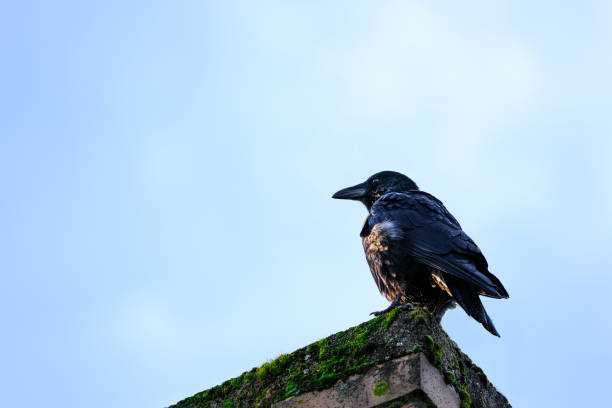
(400, 359)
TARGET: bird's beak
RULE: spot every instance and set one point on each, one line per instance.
(357, 192)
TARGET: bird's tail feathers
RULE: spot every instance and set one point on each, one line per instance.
(469, 300)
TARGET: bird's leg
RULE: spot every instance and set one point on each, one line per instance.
(394, 303)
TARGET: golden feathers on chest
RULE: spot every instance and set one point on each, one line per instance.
(381, 234)
(377, 242)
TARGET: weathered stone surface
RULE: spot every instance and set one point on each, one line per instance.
(384, 382)
(353, 353)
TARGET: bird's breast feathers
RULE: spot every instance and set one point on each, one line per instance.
(376, 243)
(388, 229)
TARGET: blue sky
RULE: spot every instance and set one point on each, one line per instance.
(166, 171)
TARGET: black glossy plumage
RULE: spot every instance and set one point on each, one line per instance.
(417, 251)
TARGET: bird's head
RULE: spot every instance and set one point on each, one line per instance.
(374, 187)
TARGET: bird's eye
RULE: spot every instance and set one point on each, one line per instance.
(375, 182)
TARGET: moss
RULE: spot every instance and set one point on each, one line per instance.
(228, 404)
(463, 369)
(361, 344)
(416, 348)
(236, 383)
(249, 376)
(272, 368)
(323, 348)
(291, 389)
(263, 394)
(346, 355)
(435, 349)
(381, 389)
(449, 377)
(226, 387)
(317, 366)
(390, 317)
(466, 399)
(419, 315)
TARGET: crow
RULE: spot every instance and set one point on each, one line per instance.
(417, 252)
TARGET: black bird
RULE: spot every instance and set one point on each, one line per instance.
(417, 252)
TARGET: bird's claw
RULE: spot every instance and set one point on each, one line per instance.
(406, 305)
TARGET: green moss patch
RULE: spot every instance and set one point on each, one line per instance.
(390, 317)
(381, 389)
(272, 368)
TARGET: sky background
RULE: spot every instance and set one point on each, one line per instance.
(166, 171)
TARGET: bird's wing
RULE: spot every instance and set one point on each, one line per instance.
(432, 236)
